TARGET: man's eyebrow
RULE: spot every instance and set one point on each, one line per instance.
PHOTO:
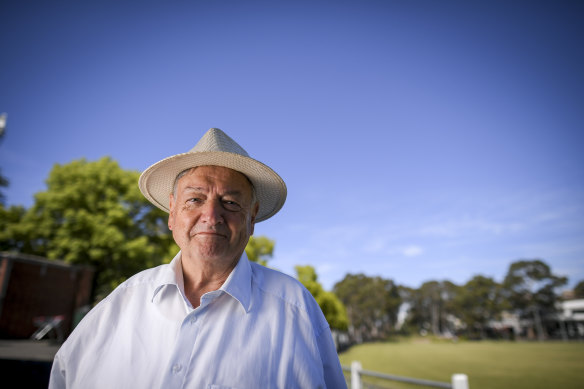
(194, 189)
(232, 192)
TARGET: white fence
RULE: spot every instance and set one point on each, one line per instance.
(459, 381)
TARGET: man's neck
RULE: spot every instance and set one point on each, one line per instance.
(202, 276)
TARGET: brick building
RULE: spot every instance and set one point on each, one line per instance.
(33, 287)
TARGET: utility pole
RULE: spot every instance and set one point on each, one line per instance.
(2, 124)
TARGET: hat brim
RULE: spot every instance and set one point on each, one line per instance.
(156, 182)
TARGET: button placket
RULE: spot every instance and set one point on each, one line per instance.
(181, 358)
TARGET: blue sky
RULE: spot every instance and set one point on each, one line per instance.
(420, 140)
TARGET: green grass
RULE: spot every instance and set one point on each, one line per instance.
(487, 364)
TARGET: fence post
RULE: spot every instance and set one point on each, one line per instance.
(356, 375)
(459, 381)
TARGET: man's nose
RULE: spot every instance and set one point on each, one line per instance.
(212, 212)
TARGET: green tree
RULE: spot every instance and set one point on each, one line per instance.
(93, 213)
(372, 305)
(432, 307)
(530, 288)
(332, 308)
(12, 234)
(480, 300)
(259, 249)
(579, 290)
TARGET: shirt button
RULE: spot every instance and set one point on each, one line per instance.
(176, 368)
(193, 319)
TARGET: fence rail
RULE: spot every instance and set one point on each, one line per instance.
(459, 381)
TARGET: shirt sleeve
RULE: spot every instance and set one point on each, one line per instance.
(57, 379)
(333, 373)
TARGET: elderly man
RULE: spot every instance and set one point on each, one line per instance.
(210, 318)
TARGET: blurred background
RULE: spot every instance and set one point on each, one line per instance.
(428, 147)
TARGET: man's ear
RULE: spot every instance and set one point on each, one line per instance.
(171, 212)
(254, 213)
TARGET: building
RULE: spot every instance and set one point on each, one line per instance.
(41, 297)
(571, 318)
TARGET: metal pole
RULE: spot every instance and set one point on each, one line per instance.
(355, 375)
(459, 381)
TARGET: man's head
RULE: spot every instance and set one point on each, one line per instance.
(215, 148)
(215, 193)
(212, 213)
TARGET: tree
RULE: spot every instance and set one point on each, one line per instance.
(332, 308)
(12, 234)
(530, 289)
(579, 290)
(372, 305)
(424, 310)
(479, 301)
(259, 249)
(432, 307)
(93, 213)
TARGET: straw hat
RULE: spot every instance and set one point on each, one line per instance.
(218, 149)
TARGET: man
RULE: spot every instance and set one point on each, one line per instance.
(210, 318)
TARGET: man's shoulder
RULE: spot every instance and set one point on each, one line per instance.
(281, 286)
(140, 283)
(152, 275)
(288, 292)
(106, 314)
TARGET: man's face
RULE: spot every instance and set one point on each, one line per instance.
(212, 215)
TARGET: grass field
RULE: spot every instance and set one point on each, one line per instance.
(517, 365)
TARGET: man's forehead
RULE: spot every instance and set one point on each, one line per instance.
(215, 171)
(213, 174)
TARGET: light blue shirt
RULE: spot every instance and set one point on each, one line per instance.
(261, 329)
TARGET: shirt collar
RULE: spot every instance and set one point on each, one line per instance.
(237, 285)
(171, 275)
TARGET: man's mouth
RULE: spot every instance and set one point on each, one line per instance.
(210, 234)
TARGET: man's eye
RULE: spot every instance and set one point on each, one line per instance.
(194, 200)
(231, 205)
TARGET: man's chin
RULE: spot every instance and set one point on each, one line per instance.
(211, 254)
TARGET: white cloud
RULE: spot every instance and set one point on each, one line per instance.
(376, 245)
(412, 251)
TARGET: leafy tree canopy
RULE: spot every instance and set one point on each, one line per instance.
(12, 234)
(431, 305)
(259, 249)
(530, 287)
(479, 301)
(332, 308)
(372, 305)
(579, 290)
(530, 283)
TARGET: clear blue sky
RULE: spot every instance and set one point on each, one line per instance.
(420, 140)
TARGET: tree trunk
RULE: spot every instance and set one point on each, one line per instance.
(538, 327)
(435, 319)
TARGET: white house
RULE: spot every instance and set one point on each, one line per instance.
(571, 317)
